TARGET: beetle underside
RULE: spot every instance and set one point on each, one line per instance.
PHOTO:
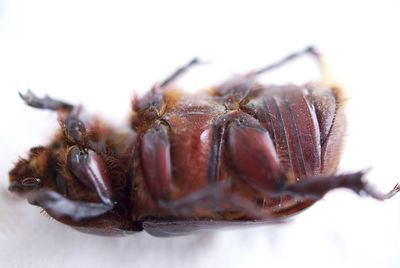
(240, 153)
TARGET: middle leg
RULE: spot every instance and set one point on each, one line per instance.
(179, 72)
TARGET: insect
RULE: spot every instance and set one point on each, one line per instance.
(240, 153)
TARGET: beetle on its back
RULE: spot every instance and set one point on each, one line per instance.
(241, 153)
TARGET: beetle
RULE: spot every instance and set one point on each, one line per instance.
(240, 153)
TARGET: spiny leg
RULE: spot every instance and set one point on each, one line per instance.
(58, 205)
(289, 58)
(74, 128)
(204, 198)
(241, 86)
(89, 168)
(255, 159)
(316, 187)
(45, 103)
(86, 166)
(312, 51)
(217, 199)
(153, 101)
(179, 72)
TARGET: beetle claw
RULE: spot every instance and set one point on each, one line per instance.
(381, 196)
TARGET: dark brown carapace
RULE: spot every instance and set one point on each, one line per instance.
(240, 153)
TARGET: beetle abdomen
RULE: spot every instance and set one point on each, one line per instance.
(256, 140)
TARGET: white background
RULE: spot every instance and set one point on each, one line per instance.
(99, 53)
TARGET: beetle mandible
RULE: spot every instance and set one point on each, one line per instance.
(239, 153)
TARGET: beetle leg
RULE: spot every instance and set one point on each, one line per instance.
(74, 129)
(57, 205)
(156, 161)
(205, 198)
(289, 58)
(180, 71)
(45, 103)
(216, 198)
(310, 50)
(254, 156)
(214, 165)
(316, 187)
(90, 169)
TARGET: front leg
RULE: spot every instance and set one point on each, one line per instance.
(59, 206)
(74, 128)
(90, 169)
(46, 102)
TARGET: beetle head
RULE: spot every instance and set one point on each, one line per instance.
(76, 165)
(80, 177)
(27, 175)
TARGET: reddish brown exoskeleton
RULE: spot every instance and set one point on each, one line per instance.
(239, 153)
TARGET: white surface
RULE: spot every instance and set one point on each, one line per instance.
(98, 52)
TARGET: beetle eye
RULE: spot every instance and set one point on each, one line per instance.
(31, 182)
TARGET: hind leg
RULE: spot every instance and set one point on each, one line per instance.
(316, 187)
(243, 85)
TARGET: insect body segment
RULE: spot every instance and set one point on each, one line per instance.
(241, 153)
(249, 147)
(156, 159)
